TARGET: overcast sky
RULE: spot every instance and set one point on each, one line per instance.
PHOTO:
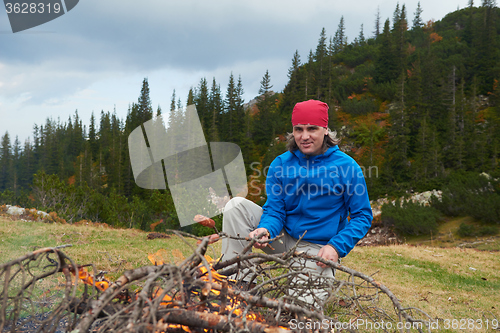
(95, 57)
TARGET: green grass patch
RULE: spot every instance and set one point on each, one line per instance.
(448, 235)
(430, 271)
(111, 250)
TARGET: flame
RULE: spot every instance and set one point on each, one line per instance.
(84, 275)
(158, 258)
(161, 257)
(213, 284)
(166, 300)
(204, 272)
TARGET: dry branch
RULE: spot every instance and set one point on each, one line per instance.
(193, 296)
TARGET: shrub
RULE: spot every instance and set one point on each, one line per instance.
(386, 90)
(54, 218)
(363, 106)
(410, 218)
(7, 197)
(470, 194)
(488, 230)
(466, 230)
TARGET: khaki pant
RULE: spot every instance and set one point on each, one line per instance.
(241, 216)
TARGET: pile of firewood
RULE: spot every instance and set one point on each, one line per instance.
(45, 291)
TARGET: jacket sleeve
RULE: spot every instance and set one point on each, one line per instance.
(274, 214)
(358, 207)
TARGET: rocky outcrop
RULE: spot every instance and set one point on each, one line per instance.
(18, 211)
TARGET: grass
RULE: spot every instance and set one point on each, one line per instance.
(447, 236)
(111, 250)
(444, 280)
(439, 281)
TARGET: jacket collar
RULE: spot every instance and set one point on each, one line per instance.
(319, 157)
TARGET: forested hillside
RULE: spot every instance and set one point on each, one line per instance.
(412, 104)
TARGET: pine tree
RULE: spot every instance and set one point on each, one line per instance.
(105, 144)
(5, 162)
(180, 108)
(376, 32)
(27, 160)
(116, 155)
(451, 143)
(386, 69)
(264, 124)
(234, 115)
(417, 20)
(216, 107)
(243, 123)
(310, 77)
(173, 116)
(435, 163)
(132, 121)
(361, 37)
(201, 100)
(92, 138)
(137, 115)
(239, 96)
(78, 138)
(433, 90)
(230, 111)
(292, 88)
(397, 148)
(369, 134)
(487, 52)
(190, 97)
(320, 56)
(295, 65)
(145, 108)
(396, 17)
(423, 155)
(36, 146)
(50, 153)
(265, 84)
(471, 130)
(414, 100)
(400, 37)
(460, 111)
(340, 39)
(321, 47)
(469, 25)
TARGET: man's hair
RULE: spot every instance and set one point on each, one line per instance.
(329, 141)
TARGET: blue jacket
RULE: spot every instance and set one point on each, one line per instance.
(316, 194)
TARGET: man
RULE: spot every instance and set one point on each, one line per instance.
(312, 188)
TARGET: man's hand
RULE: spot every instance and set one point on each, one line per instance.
(327, 252)
(257, 232)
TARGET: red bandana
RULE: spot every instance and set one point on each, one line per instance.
(310, 112)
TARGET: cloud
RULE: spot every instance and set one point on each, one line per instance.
(96, 55)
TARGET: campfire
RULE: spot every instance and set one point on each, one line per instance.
(195, 295)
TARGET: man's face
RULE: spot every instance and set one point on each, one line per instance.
(309, 138)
